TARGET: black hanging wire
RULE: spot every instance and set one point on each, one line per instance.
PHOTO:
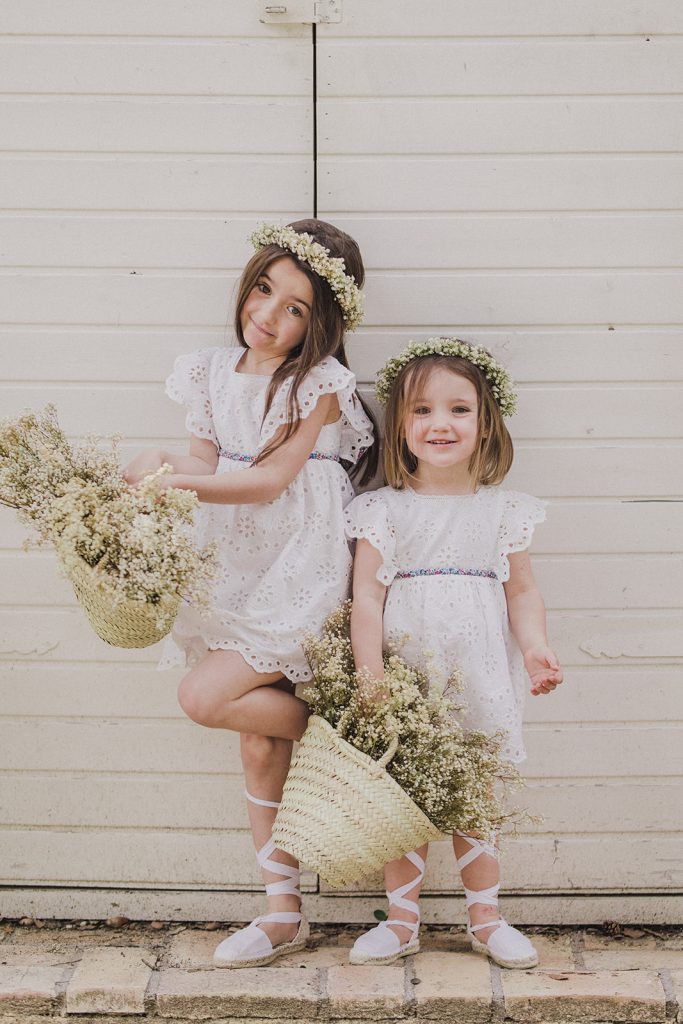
(315, 122)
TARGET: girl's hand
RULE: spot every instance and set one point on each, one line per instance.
(142, 465)
(544, 669)
(371, 689)
(166, 481)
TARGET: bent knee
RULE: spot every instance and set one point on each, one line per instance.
(257, 751)
(198, 704)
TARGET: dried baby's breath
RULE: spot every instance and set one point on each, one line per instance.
(140, 539)
(449, 773)
(497, 376)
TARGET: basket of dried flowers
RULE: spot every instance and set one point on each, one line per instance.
(372, 780)
(120, 622)
(129, 552)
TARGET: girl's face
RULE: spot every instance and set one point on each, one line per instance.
(275, 316)
(441, 425)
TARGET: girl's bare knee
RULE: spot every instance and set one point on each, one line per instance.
(195, 703)
(257, 751)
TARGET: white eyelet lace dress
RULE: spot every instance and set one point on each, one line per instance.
(284, 564)
(444, 560)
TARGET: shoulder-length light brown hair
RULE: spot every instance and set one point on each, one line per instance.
(492, 457)
(324, 334)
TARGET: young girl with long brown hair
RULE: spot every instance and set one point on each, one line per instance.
(274, 422)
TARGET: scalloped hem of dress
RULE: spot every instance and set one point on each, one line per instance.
(259, 663)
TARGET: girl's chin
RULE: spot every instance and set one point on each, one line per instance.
(255, 341)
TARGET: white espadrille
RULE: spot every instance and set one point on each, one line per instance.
(251, 946)
(506, 946)
(381, 945)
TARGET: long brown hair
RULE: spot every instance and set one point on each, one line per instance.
(492, 457)
(324, 333)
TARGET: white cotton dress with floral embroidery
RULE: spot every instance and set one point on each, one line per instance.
(441, 622)
(284, 564)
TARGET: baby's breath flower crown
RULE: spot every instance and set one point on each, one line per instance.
(497, 376)
(331, 268)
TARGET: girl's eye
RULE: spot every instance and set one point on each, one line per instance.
(422, 410)
(294, 310)
(263, 287)
(461, 408)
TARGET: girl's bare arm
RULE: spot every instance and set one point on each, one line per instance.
(267, 480)
(201, 461)
(367, 612)
(526, 612)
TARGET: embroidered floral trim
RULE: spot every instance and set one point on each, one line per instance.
(497, 376)
(331, 268)
(408, 574)
(240, 457)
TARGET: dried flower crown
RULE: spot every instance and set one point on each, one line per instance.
(497, 376)
(331, 268)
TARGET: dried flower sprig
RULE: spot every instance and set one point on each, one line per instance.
(140, 539)
(331, 268)
(498, 377)
(449, 773)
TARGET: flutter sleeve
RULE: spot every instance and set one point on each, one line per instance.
(189, 385)
(328, 377)
(520, 514)
(367, 518)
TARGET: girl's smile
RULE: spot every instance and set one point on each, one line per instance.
(267, 334)
(275, 315)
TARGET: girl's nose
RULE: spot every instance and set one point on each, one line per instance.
(268, 310)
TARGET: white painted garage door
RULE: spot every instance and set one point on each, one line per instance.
(140, 143)
(512, 174)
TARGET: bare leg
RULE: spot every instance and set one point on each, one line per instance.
(223, 692)
(403, 879)
(266, 763)
(481, 873)
(489, 932)
(396, 874)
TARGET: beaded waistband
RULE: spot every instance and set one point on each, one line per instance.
(241, 457)
(408, 574)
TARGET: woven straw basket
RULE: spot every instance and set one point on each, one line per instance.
(128, 624)
(341, 812)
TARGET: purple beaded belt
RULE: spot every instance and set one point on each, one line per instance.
(409, 574)
(240, 457)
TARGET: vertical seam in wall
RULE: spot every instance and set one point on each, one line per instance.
(314, 39)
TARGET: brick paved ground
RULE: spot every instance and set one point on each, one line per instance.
(99, 973)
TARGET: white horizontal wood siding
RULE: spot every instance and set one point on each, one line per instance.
(512, 172)
(140, 144)
(513, 175)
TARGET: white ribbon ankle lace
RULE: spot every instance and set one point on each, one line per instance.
(381, 942)
(506, 944)
(252, 944)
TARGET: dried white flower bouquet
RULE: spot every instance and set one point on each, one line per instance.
(129, 552)
(449, 773)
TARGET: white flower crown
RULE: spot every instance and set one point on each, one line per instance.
(497, 376)
(331, 268)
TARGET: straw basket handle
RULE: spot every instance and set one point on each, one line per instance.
(389, 753)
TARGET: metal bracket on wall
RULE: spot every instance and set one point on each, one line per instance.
(302, 12)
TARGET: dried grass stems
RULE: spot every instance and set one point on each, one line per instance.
(139, 538)
(452, 775)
